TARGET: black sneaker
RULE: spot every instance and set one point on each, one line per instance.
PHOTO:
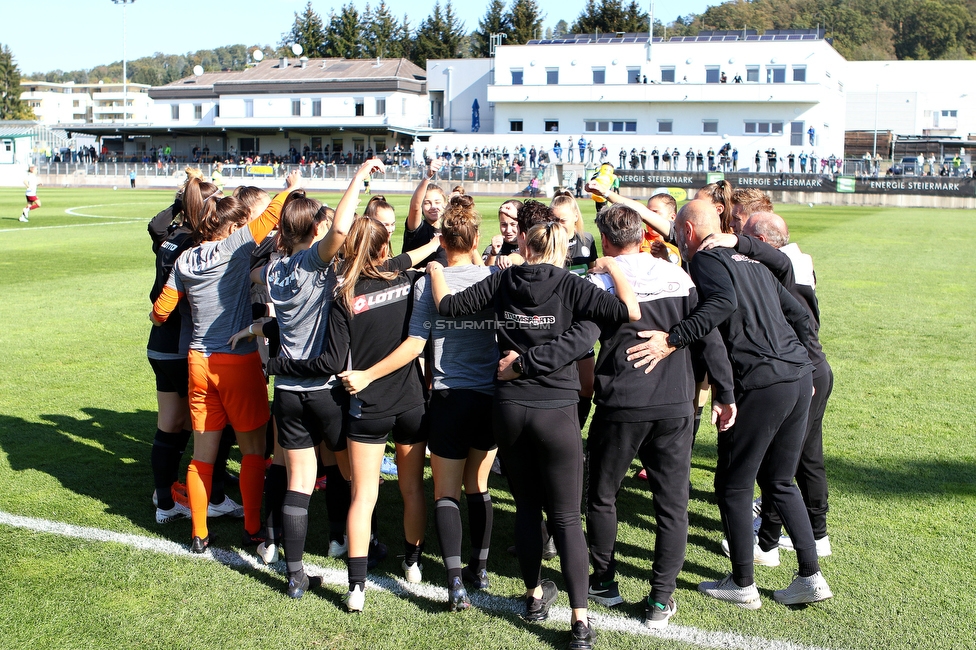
(549, 549)
(657, 618)
(582, 636)
(377, 552)
(477, 579)
(300, 583)
(200, 545)
(253, 539)
(605, 593)
(537, 609)
(457, 596)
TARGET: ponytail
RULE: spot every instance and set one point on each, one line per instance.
(547, 243)
(460, 224)
(361, 254)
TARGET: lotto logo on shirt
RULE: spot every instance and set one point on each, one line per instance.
(367, 301)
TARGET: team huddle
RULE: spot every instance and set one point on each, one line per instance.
(469, 352)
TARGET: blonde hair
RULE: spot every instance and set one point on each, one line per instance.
(362, 257)
(566, 199)
(547, 243)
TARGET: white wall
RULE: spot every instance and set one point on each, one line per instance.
(462, 81)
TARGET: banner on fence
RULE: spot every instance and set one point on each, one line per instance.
(929, 185)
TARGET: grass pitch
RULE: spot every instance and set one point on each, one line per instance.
(77, 417)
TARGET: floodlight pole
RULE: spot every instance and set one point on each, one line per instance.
(877, 92)
(650, 40)
(125, 75)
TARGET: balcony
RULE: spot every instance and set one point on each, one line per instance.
(676, 93)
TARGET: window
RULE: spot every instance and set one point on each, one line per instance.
(381, 107)
(711, 75)
(216, 110)
(633, 75)
(552, 126)
(665, 126)
(316, 108)
(949, 113)
(296, 107)
(599, 75)
(596, 126)
(515, 126)
(197, 111)
(764, 128)
(75, 103)
(360, 107)
(552, 77)
(775, 75)
(752, 73)
(709, 127)
(248, 108)
(796, 134)
(621, 127)
(799, 73)
(174, 112)
(516, 76)
(667, 75)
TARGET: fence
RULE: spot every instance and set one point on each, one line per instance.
(240, 173)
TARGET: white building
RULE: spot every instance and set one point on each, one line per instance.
(337, 106)
(99, 103)
(920, 98)
(621, 93)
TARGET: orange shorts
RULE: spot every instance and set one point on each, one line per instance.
(227, 388)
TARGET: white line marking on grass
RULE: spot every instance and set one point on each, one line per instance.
(73, 225)
(73, 211)
(487, 602)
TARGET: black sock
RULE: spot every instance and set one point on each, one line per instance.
(583, 407)
(337, 498)
(807, 569)
(447, 521)
(275, 487)
(167, 450)
(227, 440)
(481, 517)
(411, 553)
(294, 524)
(357, 572)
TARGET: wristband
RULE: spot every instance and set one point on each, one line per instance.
(250, 329)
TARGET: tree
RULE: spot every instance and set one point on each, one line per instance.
(610, 16)
(495, 21)
(561, 29)
(11, 106)
(526, 20)
(439, 36)
(307, 31)
(383, 37)
(344, 38)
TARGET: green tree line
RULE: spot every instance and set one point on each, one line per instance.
(859, 29)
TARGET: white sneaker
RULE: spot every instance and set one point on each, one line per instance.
(178, 511)
(23, 217)
(338, 550)
(412, 572)
(759, 556)
(726, 589)
(811, 589)
(823, 545)
(355, 599)
(227, 507)
(268, 552)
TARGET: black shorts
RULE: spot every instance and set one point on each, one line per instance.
(306, 419)
(460, 420)
(172, 375)
(409, 427)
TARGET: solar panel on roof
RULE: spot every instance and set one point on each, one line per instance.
(765, 38)
(604, 40)
(532, 42)
(752, 37)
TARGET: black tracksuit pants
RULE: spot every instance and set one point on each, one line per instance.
(811, 477)
(664, 449)
(543, 455)
(764, 446)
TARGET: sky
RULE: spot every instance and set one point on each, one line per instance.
(47, 35)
